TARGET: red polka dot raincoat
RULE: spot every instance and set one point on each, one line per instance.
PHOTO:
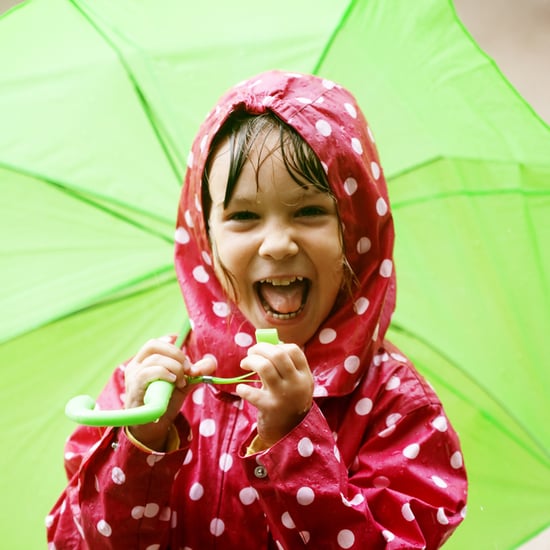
(374, 464)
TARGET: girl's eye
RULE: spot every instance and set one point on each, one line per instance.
(243, 215)
(311, 211)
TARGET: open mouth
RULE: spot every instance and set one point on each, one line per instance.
(283, 298)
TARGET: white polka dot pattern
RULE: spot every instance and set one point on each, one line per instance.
(323, 127)
(287, 521)
(305, 496)
(441, 517)
(305, 447)
(456, 460)
(363, 406)
(411, 451)
(104, 528)
(327, 335)
(200, 274)
(332, 123)
(182, 235)
(196, 492)
(207, 427)
(363, 245)
(346, 538)
(217, 527)
(165, 494)
(407, 512)
(118, 476)
(352, 364)
(350, 186)
(356, 146)
(243, 340)
(248, 495)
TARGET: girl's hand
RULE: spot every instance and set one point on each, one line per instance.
(286, 394)
(159, 360)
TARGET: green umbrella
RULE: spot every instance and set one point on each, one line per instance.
(99, 102)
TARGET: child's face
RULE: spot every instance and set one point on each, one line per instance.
(277, 246)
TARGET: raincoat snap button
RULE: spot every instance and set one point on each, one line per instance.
(260, 472)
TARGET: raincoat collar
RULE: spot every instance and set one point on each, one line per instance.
(329, 119)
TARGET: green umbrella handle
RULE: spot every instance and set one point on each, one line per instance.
(82, 408)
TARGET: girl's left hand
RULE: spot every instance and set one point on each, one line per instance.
(286, 394)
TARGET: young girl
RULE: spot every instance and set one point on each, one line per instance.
(284, 222)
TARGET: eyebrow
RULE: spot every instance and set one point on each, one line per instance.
(241, 201)
(301, 194)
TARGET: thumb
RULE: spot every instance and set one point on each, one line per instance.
(248, 393)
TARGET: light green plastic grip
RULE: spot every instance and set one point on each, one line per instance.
(83, 409)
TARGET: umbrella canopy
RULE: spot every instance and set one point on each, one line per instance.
(98, 111)
(469, 177)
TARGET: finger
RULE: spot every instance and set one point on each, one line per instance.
(203, 367)
(297, 356)
(167, 363)
(145, 376)
(287, 358)
(164, 361)
(206, 365)
(265, 369)
(137, 385)
(159, 347)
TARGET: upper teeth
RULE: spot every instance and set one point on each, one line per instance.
(282, 282)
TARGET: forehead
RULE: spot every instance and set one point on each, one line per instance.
(264, 176)
(255, 147)
(258, 161)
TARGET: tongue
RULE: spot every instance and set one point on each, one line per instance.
(283, 299)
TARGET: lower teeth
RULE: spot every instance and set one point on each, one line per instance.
(282, 316)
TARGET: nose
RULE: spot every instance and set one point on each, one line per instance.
(278, 242)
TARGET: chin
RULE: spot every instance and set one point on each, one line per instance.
(293, 335)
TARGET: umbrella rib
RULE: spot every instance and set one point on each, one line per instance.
(106, 299)
(438, 158)
(147, 109)
(539, 444)
(333, 36)
(110, 211)
(113, 294)
(396, 203)
(93, 199)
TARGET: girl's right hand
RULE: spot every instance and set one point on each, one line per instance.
(160, 360)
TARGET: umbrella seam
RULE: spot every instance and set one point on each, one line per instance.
(477, 160)
(92, 199)
(396, 203)
(333, 36)
(146, 106)
(100, 301)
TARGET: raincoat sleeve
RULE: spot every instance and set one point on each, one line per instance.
(118, 492)
(387, 496)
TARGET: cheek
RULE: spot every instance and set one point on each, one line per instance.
(337, 280)
(331, 251)
(221, 271)
(334, 261)
(226, 267)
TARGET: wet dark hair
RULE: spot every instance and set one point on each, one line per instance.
(243, 130)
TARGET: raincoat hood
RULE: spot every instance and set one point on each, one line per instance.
(329, 119)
